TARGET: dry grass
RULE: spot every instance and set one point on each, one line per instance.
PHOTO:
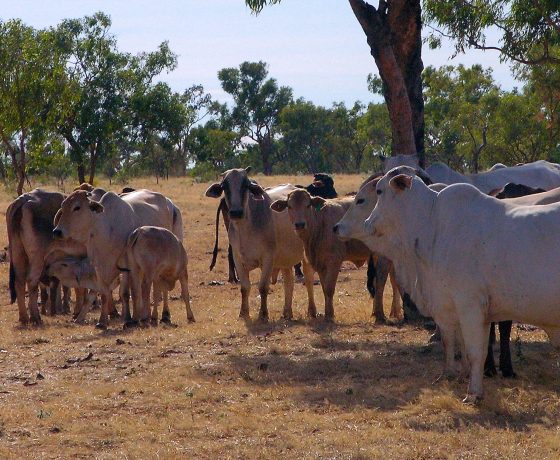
(222, 389)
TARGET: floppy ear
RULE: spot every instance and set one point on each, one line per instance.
(256, 190)
(401, 182)
(57, 217)
(95, 207)
(279, 205)
(214, 191)
(317, 202)
(248, 169)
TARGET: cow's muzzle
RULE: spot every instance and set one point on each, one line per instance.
(57, 234)
(236, 213)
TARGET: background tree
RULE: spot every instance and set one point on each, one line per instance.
(529, 30)
(393, 32)
(29, 76)
(100, 79)
(257, 105)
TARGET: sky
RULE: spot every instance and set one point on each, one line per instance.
(314, 46)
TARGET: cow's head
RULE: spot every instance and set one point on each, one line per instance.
(392, 203)
(74, 219)
(66, 268)
(301, 206)
(352, 223)
(236, 187)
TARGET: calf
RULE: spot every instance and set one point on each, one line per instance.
(261, 238)
(154, 255)
(313, 219)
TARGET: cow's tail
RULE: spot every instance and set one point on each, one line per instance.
(215, 251)
(123, 262)
(13, 294)
(371, 273)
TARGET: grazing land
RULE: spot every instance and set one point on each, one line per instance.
(221, 388)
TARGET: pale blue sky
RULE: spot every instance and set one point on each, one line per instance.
(315, 46)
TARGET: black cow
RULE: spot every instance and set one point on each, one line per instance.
(511, 190)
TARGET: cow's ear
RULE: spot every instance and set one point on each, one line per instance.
(279, 205)
(317, 202)
(95, 206)
(248, 169)
(215, 191)
(256, 190)
(57, 217)
(318, 183)
(401, 182)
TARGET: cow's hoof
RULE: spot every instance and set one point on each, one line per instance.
(329, 319)
(101, 326)
(115, 315)
(435, 338)
(191, 320)
(263, 319)
(166, 317)
(490, 372)
(154, 321)
(509, 374)
(380, 320)
(145, 323)
(472, 400)
(130, 324)
(36, 321)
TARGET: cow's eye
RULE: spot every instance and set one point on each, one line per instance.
(77, 208)
(379, 192)
(65, 265)
(360, 201)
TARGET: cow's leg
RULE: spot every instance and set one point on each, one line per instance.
(157, 295)
(124, 291)
(113, 312)
(474, 330)
(328, 284)
(396, 305)
(19, 283)
(184, 280)
(448, 333)
(65, 299)
(382, 267)
(288, 275)
(298, 273)
(505, 352)
(232, 276)
(308, 274)
(33, 288)
(44, 299)
(54, 297)
(264, 284)
(166, 313)
(245, 291)
(489, 364)
(146, 287)
(80, 299)
(105, 308)
(82, 313)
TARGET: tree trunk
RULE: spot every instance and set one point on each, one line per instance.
(265, 146)
(92, 164)
(81, 173)
(393, 32)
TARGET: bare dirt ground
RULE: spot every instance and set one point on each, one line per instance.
(222, 389)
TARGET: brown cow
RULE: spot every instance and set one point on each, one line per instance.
(154, 255)
(29, 220)
(261, 239)
(313, 219)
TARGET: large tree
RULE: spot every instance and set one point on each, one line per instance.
(258, 101)
(393, 33)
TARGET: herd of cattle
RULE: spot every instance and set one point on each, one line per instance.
(467, 250)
